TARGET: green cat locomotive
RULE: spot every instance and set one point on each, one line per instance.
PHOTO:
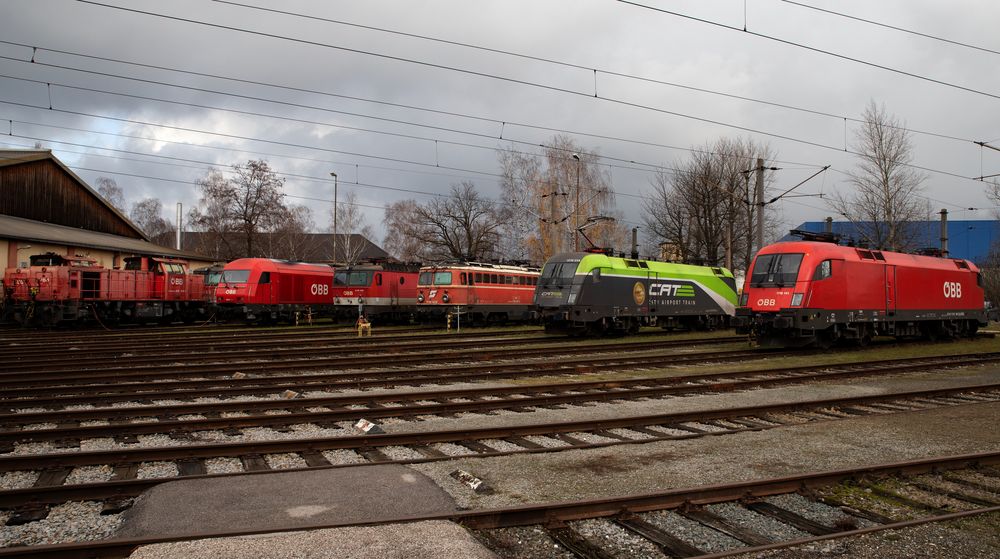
(580, 293)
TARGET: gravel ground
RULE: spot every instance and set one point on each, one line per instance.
(69, 522)
(521, 542)
(757, 523)
(703, 538)
(619, 542)
(818, 512)
(18, 479)
(89, 474)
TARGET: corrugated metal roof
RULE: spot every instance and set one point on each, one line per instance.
(968, 239)
(29, 230)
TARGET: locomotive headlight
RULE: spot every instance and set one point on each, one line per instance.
(744, 299)
(797, 299)
(420, 298)
(445, 298)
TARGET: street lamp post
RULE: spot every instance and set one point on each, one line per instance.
(576, 210)
(334, 256)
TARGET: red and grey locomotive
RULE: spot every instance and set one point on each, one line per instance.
(816, 293)
(383, 292)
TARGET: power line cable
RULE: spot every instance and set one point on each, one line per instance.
(893, 27)
(799, 45)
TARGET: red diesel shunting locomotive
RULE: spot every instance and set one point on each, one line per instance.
(266, 290)
(57, 289)
(807, 292)
(479, 292)
(383, 292)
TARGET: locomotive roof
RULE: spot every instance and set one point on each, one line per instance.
(823, 250)
(589, 260)
(481, 267)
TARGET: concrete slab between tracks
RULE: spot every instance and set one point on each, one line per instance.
(285, 501)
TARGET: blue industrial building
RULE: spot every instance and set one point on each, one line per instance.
(970, 239)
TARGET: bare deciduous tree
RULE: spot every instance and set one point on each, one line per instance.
(350, 222)
(399, 221)
(704, 209)
(110, 191)
(147, 214)
(241, 205)
(289, 233)
(544, 205)
(885, 203)
(463, 226)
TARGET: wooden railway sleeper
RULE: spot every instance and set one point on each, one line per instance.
(575, 542)
(929, 488)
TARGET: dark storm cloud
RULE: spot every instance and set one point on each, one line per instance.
(602, 35)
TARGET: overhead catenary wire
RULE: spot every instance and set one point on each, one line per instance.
(802, 46)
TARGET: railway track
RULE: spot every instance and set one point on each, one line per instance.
(193, 458)
(367, 349)
(71, 425)
(800, 505)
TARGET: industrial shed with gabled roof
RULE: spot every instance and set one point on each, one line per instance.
(46, 207)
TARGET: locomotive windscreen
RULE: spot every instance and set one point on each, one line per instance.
(555, 271)
(775, 270)
(355, 278)
(235, 276)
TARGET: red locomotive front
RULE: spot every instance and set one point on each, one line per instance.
(266, 290)
(477, 292)
(382, 292)
(805, 292)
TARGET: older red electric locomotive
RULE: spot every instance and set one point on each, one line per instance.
(383, 292)
(57, 289)
(265, 290)
(816, 293)
(477, 292)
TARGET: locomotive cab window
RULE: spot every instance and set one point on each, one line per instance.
(235, 276)
(265, 278)
(425, 278)
(462, 278)
(775, 270)
(378, 279)
(823, 270)
(442, 278)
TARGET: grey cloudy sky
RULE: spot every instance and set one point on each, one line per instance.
(371, 105)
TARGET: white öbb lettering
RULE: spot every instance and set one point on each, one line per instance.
(766, 302)
(177, 281)
(319, 289)
(230, 292)
(952, 290)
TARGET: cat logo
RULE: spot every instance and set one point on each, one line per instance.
(639, 293)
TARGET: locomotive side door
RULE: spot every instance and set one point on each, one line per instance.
(890, 290)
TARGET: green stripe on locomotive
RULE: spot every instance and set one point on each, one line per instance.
(705, 276)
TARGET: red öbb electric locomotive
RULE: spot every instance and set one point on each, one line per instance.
(477, 292)
(814, 292)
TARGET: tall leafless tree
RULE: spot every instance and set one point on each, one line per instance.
(704, 209)
(885, 203)
(147, 214)
(240, 205)
(399, 221)
(546, 197)
(110, 191)
(351, 224)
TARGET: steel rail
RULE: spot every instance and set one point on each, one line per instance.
(538, 396)
(548, 513)
(122, 381)
(236, 449)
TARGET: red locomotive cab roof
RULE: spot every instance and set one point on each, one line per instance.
(271, 265)
(818, 251)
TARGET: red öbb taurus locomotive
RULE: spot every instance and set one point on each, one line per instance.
(383, 292)
(807, 292)
(478, 292)
(57, 289)
(265, 290)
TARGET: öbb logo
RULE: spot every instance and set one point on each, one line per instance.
(952, 290)
(319, 289)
